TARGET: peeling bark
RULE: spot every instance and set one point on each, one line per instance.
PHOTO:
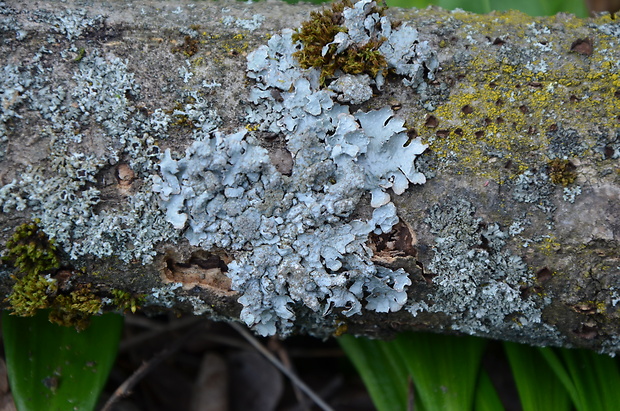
(522, 122)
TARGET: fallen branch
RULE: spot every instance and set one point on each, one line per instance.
(461, 177)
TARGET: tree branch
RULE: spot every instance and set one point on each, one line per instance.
(461, 177)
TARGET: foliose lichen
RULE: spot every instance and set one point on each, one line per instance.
(247, 24)
(292, 236)
(479, 283)
(71, 23)
(67, 203)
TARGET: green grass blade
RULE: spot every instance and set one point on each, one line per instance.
(55, 368)
(591, 379)
(444, 368)
(607, 377)
(486, 395)
(537, 384)
(409, 4)
(560, 371)
(384, 375)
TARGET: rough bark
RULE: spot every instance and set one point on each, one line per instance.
(514, 235)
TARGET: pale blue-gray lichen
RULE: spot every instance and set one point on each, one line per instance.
(247, 24)
(293, 238)
(294, 241)
(66, 200)
(479, 283)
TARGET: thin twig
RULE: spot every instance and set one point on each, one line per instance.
(294, 379)
(410, 394)
(327, 391)
(125, 388)
(275, 346)
(157, 331)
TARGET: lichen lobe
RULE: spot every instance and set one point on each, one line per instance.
(293, 238)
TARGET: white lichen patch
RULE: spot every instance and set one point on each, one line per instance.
(479, 283)
(247, 24)
(293, 238)
(352, 89)
(65, 199)
(71, 23)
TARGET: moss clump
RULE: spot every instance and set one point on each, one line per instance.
(36, 260)
(562, 172)
(188, 48)
(35, 257)
(321, 30)
(76, 308)
(31, 292)
(30, 251)
(126, 301)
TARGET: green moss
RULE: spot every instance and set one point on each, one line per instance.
(126, 301)
(80, 55)
(36, 260)
(562, 172)
(30, 293)
(30, 251)
(76, 308)
(34, 257)
(320, 30)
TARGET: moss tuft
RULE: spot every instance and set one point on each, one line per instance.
(30, 251)
(188, 48)
(76, 308)
(126, 301)
(37, 259)
(34, 256)
(30, 293)
(321, 30)
(562, 172)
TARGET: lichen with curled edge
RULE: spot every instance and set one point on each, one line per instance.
(320, 50)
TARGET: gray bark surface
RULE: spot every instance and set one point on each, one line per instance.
(514, 235)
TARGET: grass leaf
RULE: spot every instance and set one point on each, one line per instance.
(444, 368)
(56, 368)
(486, 395)
(531, 7)
(384, 375)
(537, 384)
(591, 379)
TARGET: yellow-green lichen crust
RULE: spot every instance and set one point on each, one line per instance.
(511, 104)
